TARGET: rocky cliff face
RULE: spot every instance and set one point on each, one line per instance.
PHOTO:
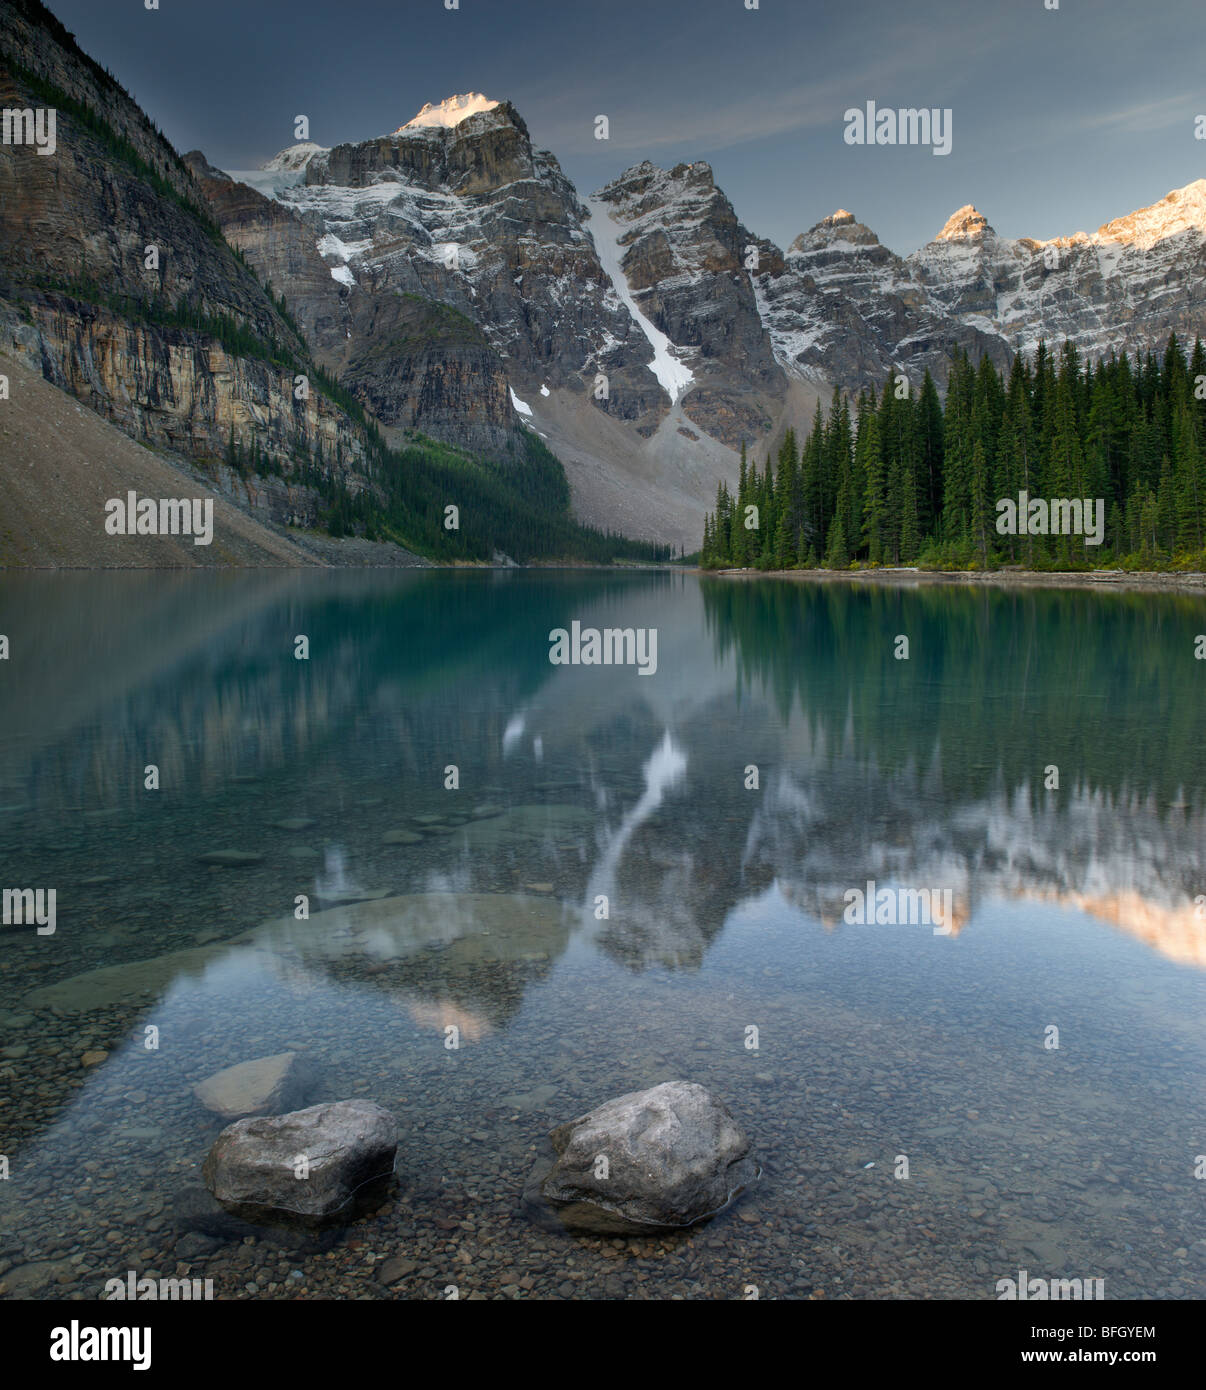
(164, 388)
(1125, 287)
(415, 362)
(843, 309)
(457, 265)
(280, 247)
(138, 305)
(683, 254)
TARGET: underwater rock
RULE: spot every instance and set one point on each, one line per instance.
(335, 897)
(262, 1086)
(231, 858)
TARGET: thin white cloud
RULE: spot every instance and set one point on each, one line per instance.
(1147, 115)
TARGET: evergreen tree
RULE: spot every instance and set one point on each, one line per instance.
(789, 521)
(909, 480)
(875, 489)
(930, 455)
(978, 504)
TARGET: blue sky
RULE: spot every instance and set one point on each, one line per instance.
(1061, 119)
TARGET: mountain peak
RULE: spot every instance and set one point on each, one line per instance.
(293, 157)
(645, 174)
(840, 228)
(967, 222)
(1178, 211)
(449, 112)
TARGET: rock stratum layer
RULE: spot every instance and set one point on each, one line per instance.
(137, 304)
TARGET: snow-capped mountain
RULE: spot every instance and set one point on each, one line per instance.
(452, 278)
(1125, 286)
(681, 253)
(845, 310)
(449, 112)
(452, 238)
(458, 284)
(842, 309)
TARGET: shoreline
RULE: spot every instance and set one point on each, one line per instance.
(409, 560)
(1191, 581)
(1117, 581)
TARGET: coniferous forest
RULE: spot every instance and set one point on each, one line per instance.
(901, 478)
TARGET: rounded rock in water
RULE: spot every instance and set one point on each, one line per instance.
(306, 1166)
(655, 1160)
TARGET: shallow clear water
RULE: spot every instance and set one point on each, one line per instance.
(1072, 908)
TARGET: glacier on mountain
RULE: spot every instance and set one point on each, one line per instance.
(674, 376)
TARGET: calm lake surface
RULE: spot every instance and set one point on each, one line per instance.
(1073, 922)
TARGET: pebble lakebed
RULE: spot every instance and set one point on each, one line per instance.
(100, 1149)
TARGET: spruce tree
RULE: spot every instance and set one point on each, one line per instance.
(978, 503)
(875, 488)
(930, 450)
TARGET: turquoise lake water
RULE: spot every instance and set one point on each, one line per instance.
(634, 878)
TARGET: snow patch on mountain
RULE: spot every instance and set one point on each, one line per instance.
(330, 246)
(450, 112)
(1184, 209)
(521, 406)
(294, 157)
(674, 376)
(1104, 292)
(284, 170)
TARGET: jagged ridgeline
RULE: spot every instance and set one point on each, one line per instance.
(117, 284)
(902, 479)
(1012, 656)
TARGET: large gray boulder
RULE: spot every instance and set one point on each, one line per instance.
(655, 1160)
(306, 1166)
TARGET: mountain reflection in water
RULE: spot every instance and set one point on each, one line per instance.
(630, 872)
